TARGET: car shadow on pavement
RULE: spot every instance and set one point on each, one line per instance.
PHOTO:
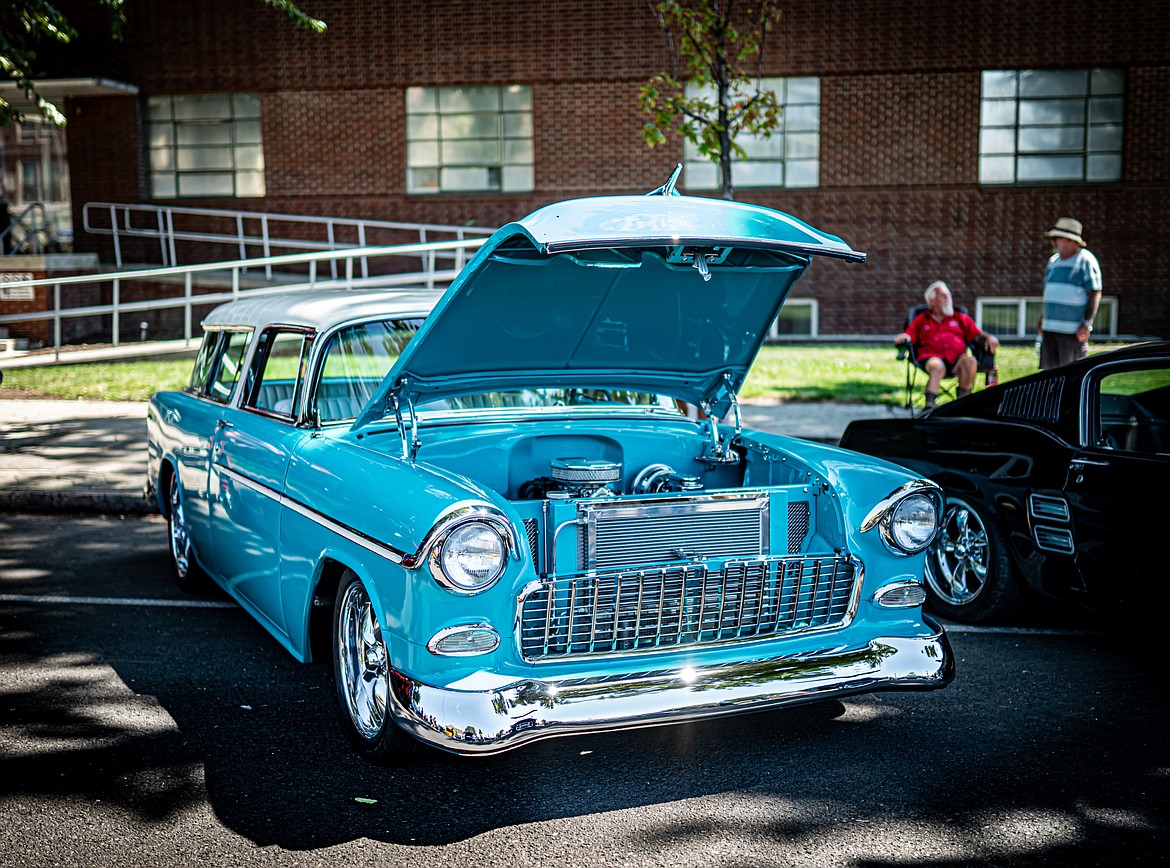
(155, 711)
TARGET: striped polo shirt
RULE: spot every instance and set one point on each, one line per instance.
(1067, 284)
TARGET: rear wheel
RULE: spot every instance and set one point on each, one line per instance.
(362, 672)
(189, 576)
(969, 575)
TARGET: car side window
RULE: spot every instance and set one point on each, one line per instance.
(279, 373)
(1133, 410)
(356, 360)
(203, 362)
(227, 368)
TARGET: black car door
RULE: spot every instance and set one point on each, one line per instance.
(1118, 478)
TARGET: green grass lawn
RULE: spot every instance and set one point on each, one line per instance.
(853, 374)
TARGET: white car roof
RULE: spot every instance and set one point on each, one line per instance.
(323, 310)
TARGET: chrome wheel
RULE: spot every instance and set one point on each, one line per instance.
(180, 536)
(956, 569)
(969, 574)
(363, 664)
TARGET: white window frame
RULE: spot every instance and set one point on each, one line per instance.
(814, 314)
(470, 139)
(1051, 126)
(184, 130)
(1104, 324)
(771, 161)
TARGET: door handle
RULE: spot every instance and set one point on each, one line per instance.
(224, 423)
(1089, 462)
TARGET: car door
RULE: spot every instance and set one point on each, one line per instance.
(1118, 477)
(251, 449)
(191, 418)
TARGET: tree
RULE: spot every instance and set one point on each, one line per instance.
(26, 24)
(709, 96)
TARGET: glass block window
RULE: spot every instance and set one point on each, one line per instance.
(1019, 317)
(790, 157)
(469, 139)
(1051, 126)
(202, 145)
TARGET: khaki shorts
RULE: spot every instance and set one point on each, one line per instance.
(1059, 349)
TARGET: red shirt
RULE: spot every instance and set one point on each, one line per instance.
(946, 340)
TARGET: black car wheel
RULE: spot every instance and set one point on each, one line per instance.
(969, 576)
(362, 673)
(188, 574)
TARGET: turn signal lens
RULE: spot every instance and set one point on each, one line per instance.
(465, 641)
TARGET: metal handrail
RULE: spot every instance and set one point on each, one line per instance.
(250, 230)
(428, 278)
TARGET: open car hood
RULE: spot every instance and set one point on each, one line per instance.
(665, 294)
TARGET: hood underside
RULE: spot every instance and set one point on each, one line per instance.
(664, 294)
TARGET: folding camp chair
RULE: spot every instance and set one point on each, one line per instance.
(984, 363)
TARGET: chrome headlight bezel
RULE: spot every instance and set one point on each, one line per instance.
(917, 504)
(450, 556)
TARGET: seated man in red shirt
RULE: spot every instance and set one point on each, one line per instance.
(942, 337)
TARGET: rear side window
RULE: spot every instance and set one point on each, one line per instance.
(280, 370)
(227, 371)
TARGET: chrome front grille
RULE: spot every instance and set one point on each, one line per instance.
(684, 605)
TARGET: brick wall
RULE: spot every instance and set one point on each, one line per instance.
(899, 137)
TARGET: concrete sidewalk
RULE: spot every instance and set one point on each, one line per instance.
(90, 456)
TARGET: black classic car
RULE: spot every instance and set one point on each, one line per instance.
(1055, 482)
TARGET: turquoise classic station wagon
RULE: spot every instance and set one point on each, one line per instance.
(526, 508)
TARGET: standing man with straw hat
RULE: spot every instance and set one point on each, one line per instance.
(1072, 291)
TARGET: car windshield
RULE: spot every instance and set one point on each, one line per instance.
(356, 360)
(547, 398)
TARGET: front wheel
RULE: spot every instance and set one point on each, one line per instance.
(362, 672)
(969, 575)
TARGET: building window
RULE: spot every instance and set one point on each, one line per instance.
(205, 145)
(790, 157)
(1051, 126)
(1019, 317)
(469, 139)
(797, 319)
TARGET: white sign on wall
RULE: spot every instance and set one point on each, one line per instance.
(16, 293)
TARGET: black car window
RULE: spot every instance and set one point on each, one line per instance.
(227, 368)
(1133, 410)
(280, 370)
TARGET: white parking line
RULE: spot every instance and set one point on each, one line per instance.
(116, 601)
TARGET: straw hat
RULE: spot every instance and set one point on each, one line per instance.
(1066, 227)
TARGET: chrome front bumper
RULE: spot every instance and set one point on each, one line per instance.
(492, 721)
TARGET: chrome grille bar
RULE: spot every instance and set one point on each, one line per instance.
(683, 605)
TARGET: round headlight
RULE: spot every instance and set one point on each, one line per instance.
(472, 556)
(913, 523)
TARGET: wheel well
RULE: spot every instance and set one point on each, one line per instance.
(321, 610)
(162, 494)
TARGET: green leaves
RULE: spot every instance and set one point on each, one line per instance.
(709, 45)
(26, 24)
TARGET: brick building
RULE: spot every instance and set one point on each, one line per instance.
(943, 139)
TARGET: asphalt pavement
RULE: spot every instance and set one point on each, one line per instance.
(90, 456)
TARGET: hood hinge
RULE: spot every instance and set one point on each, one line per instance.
(410, 442)
(719, 451)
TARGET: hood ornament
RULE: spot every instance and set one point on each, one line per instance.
(667, 189)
